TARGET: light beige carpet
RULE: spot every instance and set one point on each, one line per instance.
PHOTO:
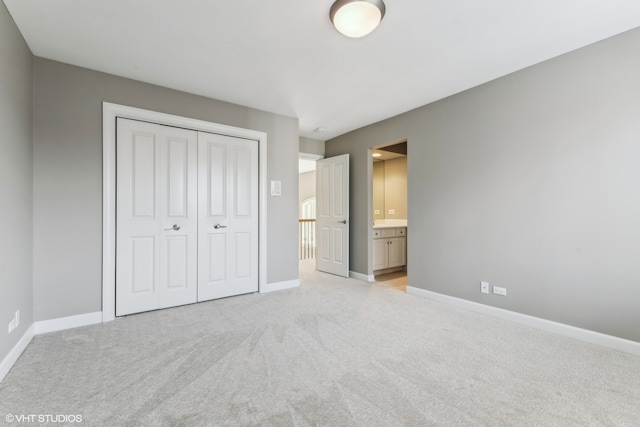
(335, 352)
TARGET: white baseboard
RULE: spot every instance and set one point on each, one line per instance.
(44, 326)
(569, 331)
(11, 358)
(279, 286)
(364, 277)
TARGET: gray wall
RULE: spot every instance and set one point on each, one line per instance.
(530, 182)
(311, 146)
(16, 116)
(68, 178)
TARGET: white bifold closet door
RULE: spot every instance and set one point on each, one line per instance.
(186, 216)
(228, 216)
(156, 217)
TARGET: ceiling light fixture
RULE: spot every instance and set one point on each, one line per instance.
(356, 18)
(376, 155)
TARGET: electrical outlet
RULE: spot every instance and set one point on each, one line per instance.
(500, 291)
(17, 318)
(392, 211)
(484, 287)
(12, 325)
(376, 212)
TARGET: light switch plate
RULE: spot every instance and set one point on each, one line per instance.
(484, 287)
(276, 188)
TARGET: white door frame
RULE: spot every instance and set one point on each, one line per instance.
(109, 113)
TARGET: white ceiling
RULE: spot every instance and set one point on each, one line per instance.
(284, 56)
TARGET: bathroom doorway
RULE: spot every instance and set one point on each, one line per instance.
(389, 215)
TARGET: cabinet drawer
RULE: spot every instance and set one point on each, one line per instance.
(387, 232)
(376, 234)
(401, 231)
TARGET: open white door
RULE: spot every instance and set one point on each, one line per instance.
(332, 215)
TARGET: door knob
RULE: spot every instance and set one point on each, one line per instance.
(219, 226)
(175, 227)
(344, 221)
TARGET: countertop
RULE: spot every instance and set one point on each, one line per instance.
(389, 223)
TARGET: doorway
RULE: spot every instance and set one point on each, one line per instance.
(323, 222)
(389, 214)
(307, 207)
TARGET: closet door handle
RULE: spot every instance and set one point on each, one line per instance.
(219, 226)
(344, 221)
(175, 227)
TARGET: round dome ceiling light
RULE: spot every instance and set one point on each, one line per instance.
(356, 18)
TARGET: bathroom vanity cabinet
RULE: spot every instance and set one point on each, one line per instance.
(389, 247)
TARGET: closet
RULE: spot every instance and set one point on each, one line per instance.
(186, 216)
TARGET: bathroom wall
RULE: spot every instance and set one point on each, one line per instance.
(378, 189)
(395, 188)
(390, 189)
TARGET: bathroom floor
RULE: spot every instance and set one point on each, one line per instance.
(396, 280)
